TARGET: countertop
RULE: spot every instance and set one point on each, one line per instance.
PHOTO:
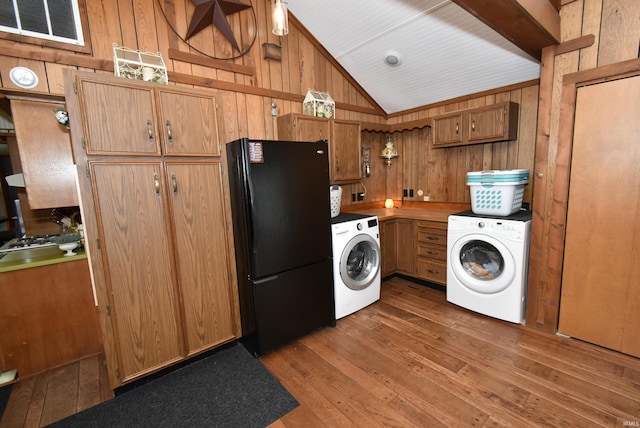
(441, 214)
(35, 257)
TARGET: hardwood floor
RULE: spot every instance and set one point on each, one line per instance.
(411, 359)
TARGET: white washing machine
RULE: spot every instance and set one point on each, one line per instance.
(356, 262)
(487, 263)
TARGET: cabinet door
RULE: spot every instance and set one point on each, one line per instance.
(202, 252)
(488, 123)
(308, 128)
(388, 240)
(188, 123)
(118, 118)
(345, 156)
(447, 129)
(130, 204)
(45, 155)
(406, 246)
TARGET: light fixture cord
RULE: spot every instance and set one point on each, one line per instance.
(243, 53)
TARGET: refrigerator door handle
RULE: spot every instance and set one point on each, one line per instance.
(250, 210)
(265, 279)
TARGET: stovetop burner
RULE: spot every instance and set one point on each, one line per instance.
(28, 242)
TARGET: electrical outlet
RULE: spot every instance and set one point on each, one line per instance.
(405, 193)
(361, 196)
(411, 193)
(353, 197)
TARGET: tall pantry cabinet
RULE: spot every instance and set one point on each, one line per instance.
(155, 207)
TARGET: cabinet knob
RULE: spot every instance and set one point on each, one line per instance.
(539, 175)
(156, 184)
(169, 133)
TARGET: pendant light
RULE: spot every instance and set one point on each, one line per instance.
(280, 17)
(389, 152)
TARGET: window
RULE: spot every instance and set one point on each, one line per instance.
(55, 20)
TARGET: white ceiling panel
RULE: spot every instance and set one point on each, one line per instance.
(445, 52)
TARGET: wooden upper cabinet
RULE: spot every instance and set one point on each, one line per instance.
(188, 123)
(344, 142)
(118, 117)
(345, 155)
(298, 127)
(497, 122)
(44, 148)
(447, 129)
(127, 117)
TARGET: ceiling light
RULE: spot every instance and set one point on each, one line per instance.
(23, 77)
(392, 59)
(280, 17)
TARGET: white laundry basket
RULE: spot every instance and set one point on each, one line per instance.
(335, 193)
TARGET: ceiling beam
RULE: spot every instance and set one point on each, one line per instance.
(529, 24)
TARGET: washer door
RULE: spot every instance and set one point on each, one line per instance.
(360, 262)
(482, 263)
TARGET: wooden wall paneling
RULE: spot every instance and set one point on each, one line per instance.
(101, 16)
(126, 19)
(145, 25)
(591, 14)
(242, 129)
(55, 80)
(620, 31)
(7, 63)
(536, 314)
(527, 135)
(306, 52)
(256, 116)
(177, 16)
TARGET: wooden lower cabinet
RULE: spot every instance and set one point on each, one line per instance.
(406, 246)
(414, 248)
(432, 251)
(388, 240)
(166, 260)
(47, 317)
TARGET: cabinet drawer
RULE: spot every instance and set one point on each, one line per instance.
(432, 236)
(437, 252)
(432, 270)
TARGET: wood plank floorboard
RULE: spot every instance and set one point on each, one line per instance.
(410, 360)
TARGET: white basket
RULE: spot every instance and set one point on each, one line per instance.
(501, 199)
(335, 193)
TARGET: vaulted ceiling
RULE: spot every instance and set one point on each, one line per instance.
(443, 50)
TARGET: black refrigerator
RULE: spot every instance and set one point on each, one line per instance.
(282, 232)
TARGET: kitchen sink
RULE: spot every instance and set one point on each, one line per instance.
(30, 254)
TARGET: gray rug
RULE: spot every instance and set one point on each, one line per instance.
(227, 389)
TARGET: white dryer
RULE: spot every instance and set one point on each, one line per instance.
(356, 262)
(487, 263)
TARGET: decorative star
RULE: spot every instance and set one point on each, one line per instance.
(215, 12)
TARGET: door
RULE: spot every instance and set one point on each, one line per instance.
(345, 159)
(130, 203)
(202, 252)
(600, 293)
(118, 118)
(189, 123)
(482, 263)
(360, 262)
(406, 246)
(288, 185)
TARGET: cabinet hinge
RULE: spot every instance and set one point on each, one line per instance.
(84, 144)
(75, 88)
(98, 243)
(87, 171)
(118, 372)
(108, 310)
